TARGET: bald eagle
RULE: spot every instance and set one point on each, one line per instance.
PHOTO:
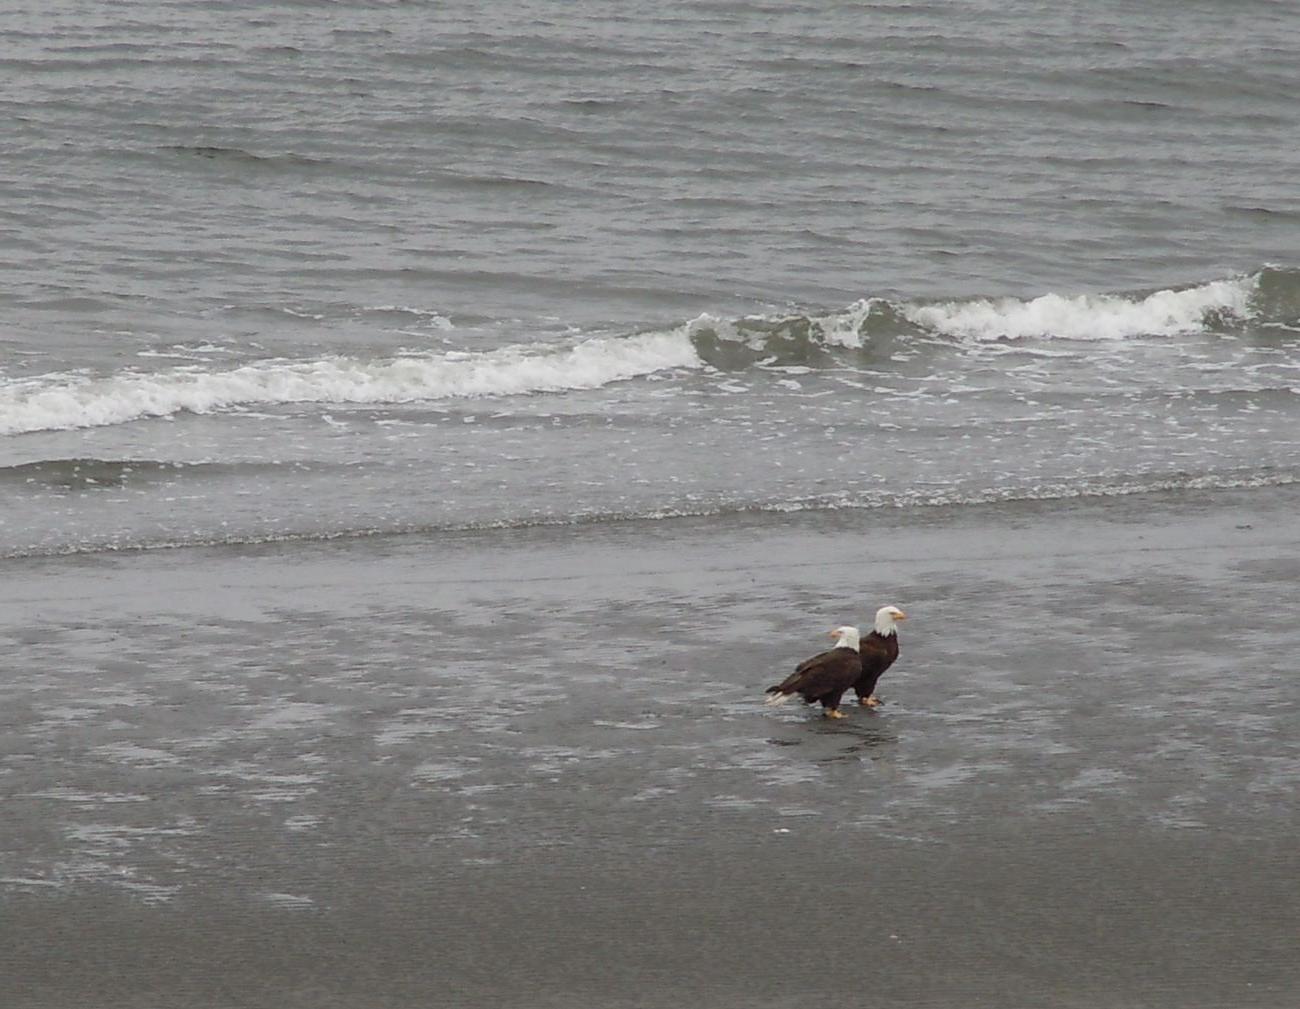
(877, 652)
(825, 676)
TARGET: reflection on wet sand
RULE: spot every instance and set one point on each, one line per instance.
(353, 762)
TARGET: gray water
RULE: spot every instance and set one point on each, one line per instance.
(291, 271)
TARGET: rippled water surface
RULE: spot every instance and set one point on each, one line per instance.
(381, 267)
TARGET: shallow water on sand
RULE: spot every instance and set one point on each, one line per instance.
(506, 756)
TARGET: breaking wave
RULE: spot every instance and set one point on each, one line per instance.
(876, 327)
(1093, 317)
(873, 328)
(1268, 297)
(61, 402)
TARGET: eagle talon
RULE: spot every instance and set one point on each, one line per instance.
(834, 713)
(871, 702)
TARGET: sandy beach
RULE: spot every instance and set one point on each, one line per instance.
(532, 768)
(426, 430)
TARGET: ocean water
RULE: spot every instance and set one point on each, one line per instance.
(288, 272)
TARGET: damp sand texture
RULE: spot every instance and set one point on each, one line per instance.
(534, 768)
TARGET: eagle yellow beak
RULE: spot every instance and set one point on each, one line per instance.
(900, 615)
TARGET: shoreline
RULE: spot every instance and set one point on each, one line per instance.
(1161, 492)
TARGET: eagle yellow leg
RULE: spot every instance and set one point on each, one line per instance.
(871, 702)
(834, 713)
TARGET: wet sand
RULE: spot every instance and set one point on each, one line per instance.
(533, 768)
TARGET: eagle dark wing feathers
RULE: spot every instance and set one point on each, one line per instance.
(823, 678)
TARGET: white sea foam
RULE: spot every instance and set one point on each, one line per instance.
(288, 901)
(64, 401)
(1089, 317)
(844, 329)
(1092, 317)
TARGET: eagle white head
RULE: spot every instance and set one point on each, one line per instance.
(885, 617)
(846, 637)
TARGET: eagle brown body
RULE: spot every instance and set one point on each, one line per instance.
(877, 653)
(825, 676)
(878, 650)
